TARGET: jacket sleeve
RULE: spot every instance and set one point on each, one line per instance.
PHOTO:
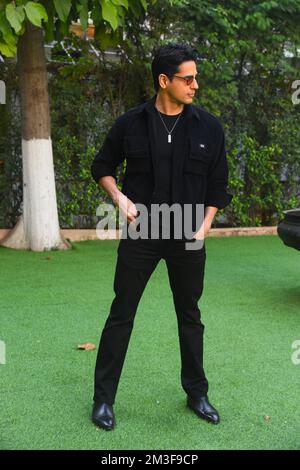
(216, 193)
(110, 154)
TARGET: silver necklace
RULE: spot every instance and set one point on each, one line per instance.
(169, 132)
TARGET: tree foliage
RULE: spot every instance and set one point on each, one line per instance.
(56, 15)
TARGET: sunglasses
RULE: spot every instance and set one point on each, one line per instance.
(188, 78)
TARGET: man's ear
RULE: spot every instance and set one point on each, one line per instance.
(163, 79)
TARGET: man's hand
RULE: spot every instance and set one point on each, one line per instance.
(203, 230)
(127, 207)
(209, 214)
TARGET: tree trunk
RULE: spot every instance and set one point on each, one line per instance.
(38, 227)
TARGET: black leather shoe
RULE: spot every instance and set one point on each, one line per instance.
(203, 409)
(103, 416)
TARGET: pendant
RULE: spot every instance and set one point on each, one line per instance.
(169, 138)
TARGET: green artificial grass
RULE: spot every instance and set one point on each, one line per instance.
(50, 302)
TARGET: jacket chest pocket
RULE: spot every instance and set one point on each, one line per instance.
(198, 157)
(137, 154)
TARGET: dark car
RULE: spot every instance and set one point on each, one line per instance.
(289, 228)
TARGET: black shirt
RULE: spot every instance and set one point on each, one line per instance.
(164, 157)
(199, 170)
(162, 193)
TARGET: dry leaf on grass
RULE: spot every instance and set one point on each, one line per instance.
(86, 346)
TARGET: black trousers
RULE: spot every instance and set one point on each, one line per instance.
(136, 262)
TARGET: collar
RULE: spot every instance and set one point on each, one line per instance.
(188, 111)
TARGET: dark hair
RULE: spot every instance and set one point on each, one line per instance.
(167, 59)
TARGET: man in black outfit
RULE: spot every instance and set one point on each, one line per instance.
(175, 154)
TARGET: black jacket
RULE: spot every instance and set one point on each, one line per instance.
(199, 170)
